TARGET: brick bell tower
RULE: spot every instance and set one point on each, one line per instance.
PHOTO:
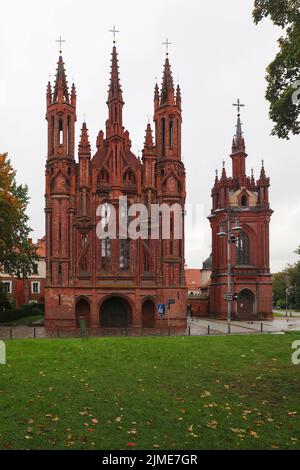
(247, 201)
(60, 187)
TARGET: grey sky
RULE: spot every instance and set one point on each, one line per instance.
(218, 55)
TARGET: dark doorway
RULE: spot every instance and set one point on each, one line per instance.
(115, 312)
(148, 314)
(245, 305)
(83, 312)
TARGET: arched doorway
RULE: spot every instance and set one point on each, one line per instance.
(148, 314)
(115, 312)
(245, 305)
(82, 312)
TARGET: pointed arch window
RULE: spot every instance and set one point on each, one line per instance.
(243, 249)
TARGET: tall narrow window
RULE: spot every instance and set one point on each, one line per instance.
(52, 136)
(124, 254)
(171, 133)
(242, 249)
(61, 131)
(69, 136)
(116, 160)
(105, 254)
(163, 136)
(59, 274)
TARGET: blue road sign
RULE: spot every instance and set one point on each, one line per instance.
(161, 308)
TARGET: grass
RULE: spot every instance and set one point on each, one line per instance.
(239, 392)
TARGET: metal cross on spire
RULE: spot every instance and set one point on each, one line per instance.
(60, 40)
(114, 31)
(239, 105)
(167, 44)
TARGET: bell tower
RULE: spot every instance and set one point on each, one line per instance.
(60, 184)
(241, 198)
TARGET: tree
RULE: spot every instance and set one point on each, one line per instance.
(288, 278)
(283, 74)
(17, 255)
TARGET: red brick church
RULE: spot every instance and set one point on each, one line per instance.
(111, 282)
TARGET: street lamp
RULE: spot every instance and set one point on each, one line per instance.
(231, 233)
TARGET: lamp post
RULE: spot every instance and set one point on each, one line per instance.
(287, 291)
(231, 234)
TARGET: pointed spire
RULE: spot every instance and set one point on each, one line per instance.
(61, 92)
(262, 172)
(148, 138)
(49, 94)
(156, 96)
(73, 95)
(115, 91)
(100, 140)
(238, 144)
(84, 147)
(167, 89)
(224, 174)
(217, 177)
(178, 96)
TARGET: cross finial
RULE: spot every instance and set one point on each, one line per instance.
(262, 162)
(239, 105)
(167, 44)
(114, 31)
(60, 40)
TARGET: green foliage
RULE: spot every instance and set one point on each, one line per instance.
(17, 255)
(8, 316)
(288, 278)
(284, 71)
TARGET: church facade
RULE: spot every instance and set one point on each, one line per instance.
(112, 281)
(241, 201)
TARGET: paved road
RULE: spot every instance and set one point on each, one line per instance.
(199, 326)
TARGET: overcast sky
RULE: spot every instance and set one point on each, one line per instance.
(218, 55)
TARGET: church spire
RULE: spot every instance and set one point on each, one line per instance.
(115, 99)
(61, 91)
(115, 91)
(167, 89)
(238, 144)
(148, 138)
(84, 147)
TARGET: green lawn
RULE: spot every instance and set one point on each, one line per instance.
(239, 392)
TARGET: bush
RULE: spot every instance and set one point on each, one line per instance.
(281, 303)
(7, 316)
